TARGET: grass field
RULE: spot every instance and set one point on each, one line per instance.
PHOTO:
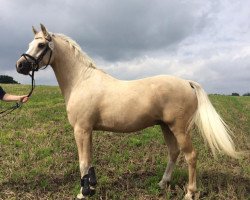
(38, 155)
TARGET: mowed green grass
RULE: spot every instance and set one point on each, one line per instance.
(39, 160)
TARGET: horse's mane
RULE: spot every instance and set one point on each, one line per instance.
(76, 48)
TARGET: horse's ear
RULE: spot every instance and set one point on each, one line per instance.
(45, 32)
(34, 30)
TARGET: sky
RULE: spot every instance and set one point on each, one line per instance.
(204, 41)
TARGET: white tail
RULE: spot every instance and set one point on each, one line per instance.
(212, 127)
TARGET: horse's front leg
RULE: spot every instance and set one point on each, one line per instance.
(83, 137)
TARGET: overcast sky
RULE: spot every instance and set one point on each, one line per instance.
(205, 41)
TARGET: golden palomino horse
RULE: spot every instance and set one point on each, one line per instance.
(97, 101)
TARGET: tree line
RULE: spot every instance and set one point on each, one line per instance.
(237, 94)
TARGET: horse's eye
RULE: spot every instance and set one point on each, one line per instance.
(41, 45)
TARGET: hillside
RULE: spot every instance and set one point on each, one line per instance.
(38, 155)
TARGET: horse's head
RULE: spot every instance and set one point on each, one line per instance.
(39, 53)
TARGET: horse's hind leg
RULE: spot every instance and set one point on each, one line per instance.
(173, 152)
(185, 144)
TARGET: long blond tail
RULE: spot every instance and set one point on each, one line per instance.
(212, 127)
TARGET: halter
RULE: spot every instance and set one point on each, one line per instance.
(34, 63)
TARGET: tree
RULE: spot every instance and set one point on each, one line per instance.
(7, 79)
(235, 94)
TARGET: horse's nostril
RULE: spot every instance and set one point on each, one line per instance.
(20, 65)
(23, 67)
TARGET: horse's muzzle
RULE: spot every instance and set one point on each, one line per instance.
(24, 67)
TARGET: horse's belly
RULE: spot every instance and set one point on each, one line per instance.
(130, 123)
(124, 129)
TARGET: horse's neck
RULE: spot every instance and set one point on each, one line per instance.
(69, 70)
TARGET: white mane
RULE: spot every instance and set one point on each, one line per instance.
(76, 48)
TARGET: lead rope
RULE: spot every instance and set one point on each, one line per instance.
(33, 85)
